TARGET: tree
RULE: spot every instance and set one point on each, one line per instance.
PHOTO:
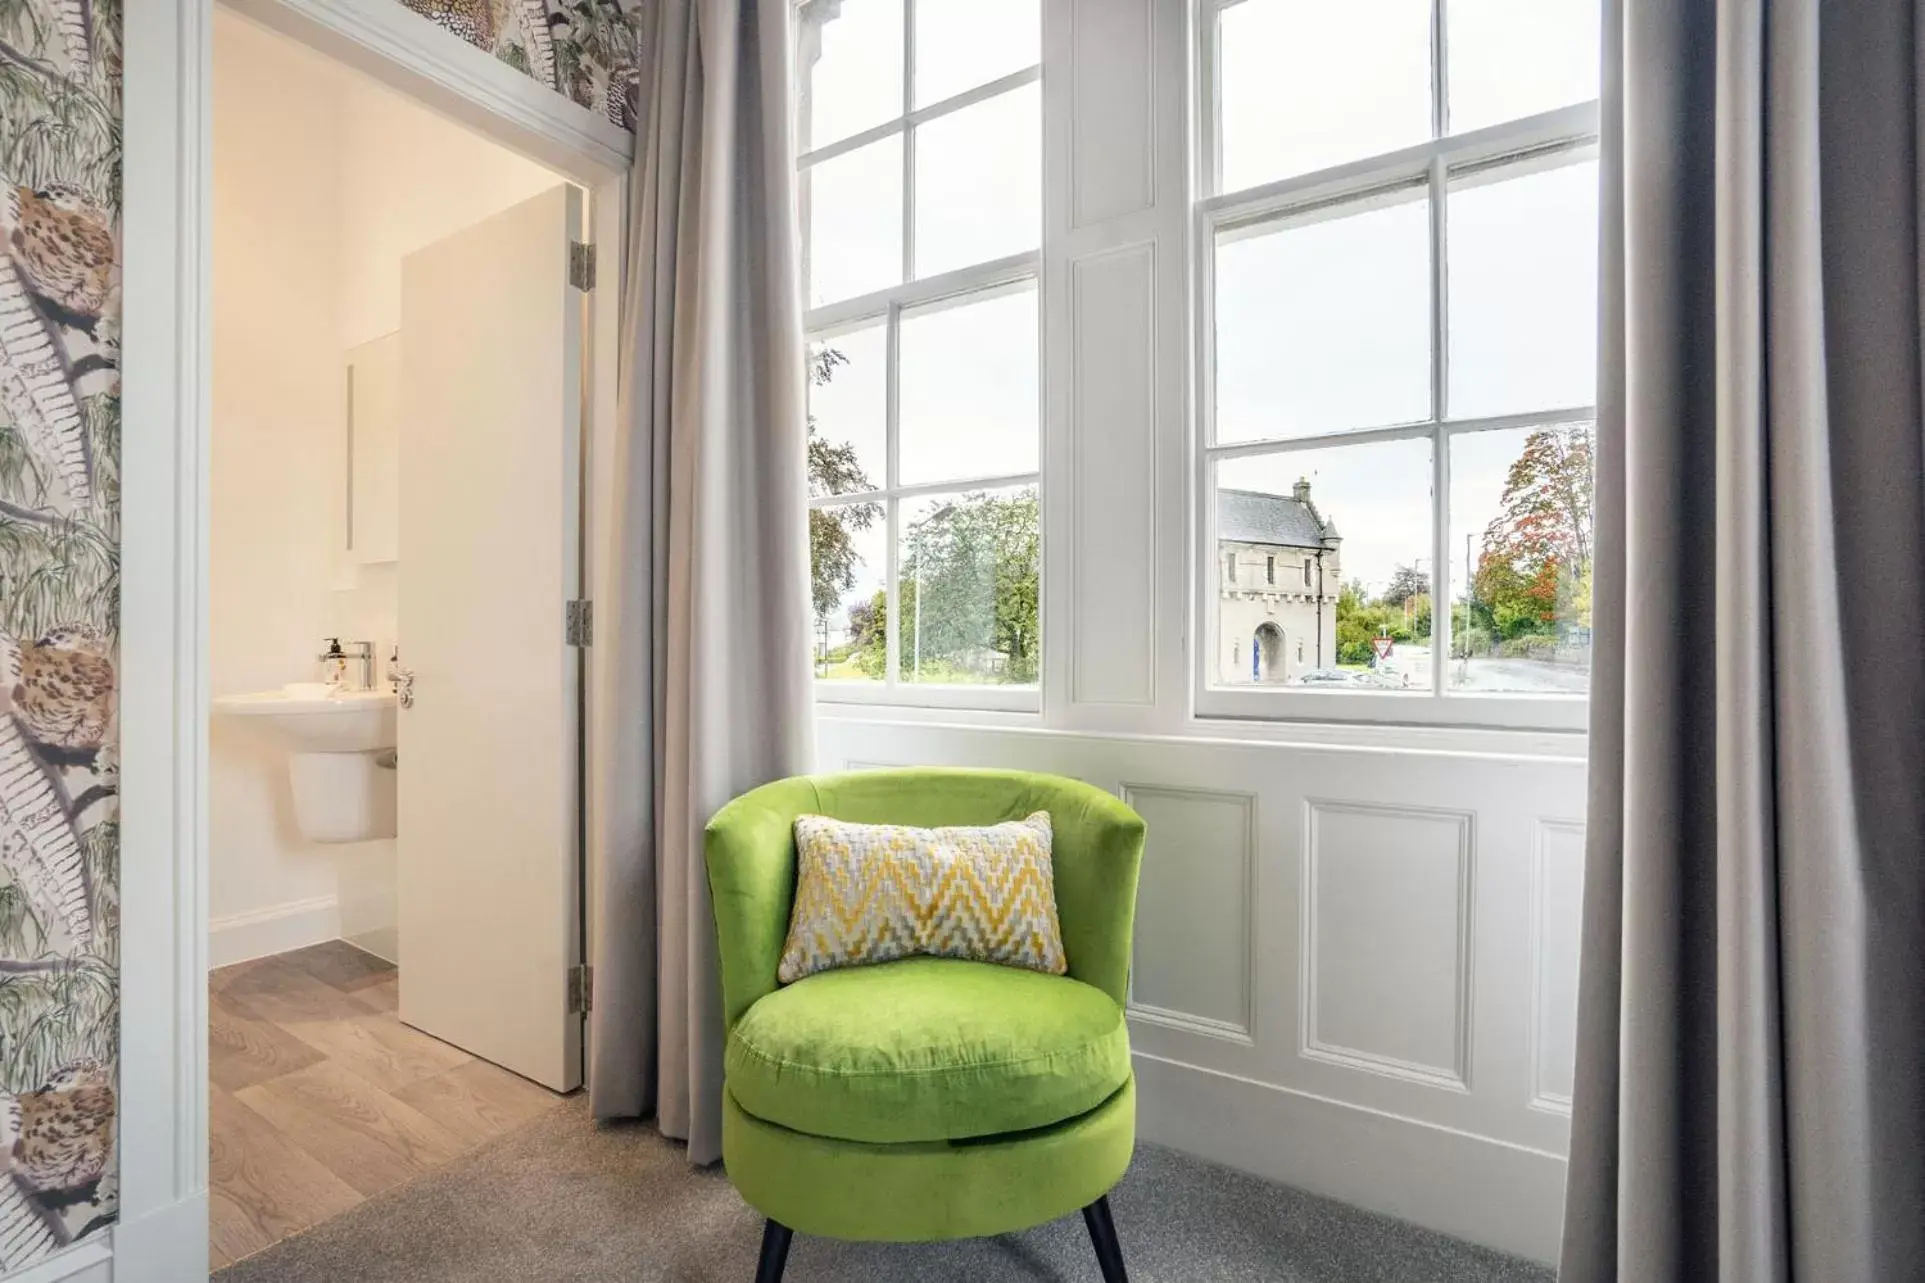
(968, 588)
(1537, 550)
(834, 469)
(1405, 582)
(869, 634)
(1360, 619)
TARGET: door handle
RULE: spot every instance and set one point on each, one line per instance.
(403, 680)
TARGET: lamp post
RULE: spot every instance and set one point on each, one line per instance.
(915, 537)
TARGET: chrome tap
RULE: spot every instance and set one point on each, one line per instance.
(337, 657)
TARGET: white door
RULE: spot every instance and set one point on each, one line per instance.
(489, 558)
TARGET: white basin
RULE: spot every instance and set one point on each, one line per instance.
(338, 759)
(340, 722)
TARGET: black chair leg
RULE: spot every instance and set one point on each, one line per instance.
(1102, 1233)
(775, 1252)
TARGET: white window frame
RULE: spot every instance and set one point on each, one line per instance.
(1431, 165)
(823, 324)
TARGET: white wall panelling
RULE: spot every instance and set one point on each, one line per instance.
(1386, 939)
(1116, 228)
(1199, 865)
(1557, 896)
(1113, 73)
(1113, 474)
(1397, 886)
(1493, 1192)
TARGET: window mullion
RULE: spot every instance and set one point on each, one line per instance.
(1440, 68)
(892, 508)
(1213, 118)
(1440, 621)
(909, 132)
(893, 463)
(892, 640)
(1440, 578)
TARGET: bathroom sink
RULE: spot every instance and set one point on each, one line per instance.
(312, 722)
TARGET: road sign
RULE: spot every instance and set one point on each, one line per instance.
(1383, 645)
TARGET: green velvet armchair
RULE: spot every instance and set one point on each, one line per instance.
(928, 1098)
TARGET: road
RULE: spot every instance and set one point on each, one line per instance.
(1493, 675)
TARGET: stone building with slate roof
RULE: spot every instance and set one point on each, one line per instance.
(1279, 571)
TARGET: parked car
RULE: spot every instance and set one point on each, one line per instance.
(1328, 677)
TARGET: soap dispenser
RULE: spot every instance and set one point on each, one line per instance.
(334, 664)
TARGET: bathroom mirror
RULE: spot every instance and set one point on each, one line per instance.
(373, 451)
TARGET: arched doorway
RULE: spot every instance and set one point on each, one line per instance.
(1266, 654)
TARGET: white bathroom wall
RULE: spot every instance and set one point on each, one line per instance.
(323, 182)
(277, 408)
(409, 178)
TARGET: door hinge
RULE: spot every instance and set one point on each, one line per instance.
(578, 625)
(581, 990)
(581, 266)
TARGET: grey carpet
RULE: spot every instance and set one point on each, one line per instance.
(565, 1201)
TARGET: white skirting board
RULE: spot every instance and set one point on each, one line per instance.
(383, 942)
(1504, 1196)
(275, 928)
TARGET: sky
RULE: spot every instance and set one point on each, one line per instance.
(1321, 324)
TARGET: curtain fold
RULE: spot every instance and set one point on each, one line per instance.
(701, 660)
(1749, 1103)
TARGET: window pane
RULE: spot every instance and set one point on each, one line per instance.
(1306, 84)
(848, 574)
(1319, 553)
(968, 393)
(979, 182)
(1521, 540)
(852, 212)
(1523, 291)
(1512, 58)
(966, 575)
(1324, 325)
(964, 43)
(851, 65)
(848, 412)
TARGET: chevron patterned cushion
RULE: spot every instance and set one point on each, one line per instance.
(877, 892)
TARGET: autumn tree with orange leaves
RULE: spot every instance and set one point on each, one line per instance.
(1535, 568)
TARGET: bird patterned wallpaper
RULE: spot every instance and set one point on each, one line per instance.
(60, 164)
(587, 49)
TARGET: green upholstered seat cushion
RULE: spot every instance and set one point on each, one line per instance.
(924, 1190)
(927, 1049)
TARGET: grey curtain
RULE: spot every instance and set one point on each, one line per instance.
(1750, 1098)
(702, 648)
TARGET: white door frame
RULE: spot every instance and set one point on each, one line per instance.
(166, 374)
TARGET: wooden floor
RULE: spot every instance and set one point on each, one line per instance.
(320, 1096)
